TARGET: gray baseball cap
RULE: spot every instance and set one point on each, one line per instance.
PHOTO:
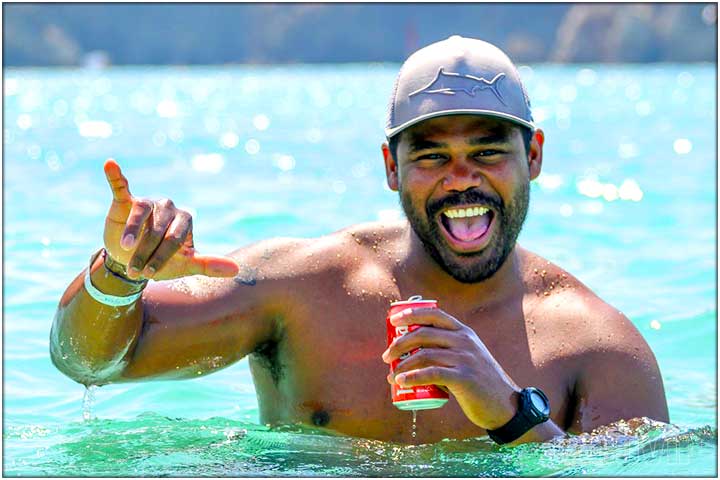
(457, 76)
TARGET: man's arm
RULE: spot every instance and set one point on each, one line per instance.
(180, 328)
(174, 329)
(619, 382)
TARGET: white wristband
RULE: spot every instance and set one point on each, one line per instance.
(104, 298)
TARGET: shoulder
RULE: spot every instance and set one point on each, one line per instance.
(286, 258)
(614, 370)
(570, 307)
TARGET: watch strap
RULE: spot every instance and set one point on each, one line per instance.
(522, 422)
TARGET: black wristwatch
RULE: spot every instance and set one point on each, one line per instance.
(533, 409)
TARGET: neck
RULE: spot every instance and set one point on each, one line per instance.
(418, 273)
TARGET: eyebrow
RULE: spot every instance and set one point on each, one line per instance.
(418, 142)
(498, 137)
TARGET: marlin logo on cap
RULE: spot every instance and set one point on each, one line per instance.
(449, 83)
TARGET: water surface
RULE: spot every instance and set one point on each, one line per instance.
(626, 202)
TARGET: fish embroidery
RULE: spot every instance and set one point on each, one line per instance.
(449, 83)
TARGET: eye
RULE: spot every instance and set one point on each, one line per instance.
(489, 155)
(488, 152)
(430, 159)
(431, 156)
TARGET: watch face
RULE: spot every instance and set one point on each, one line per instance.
(539, 403)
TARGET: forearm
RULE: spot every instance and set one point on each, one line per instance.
(541, 433)
(91, 342)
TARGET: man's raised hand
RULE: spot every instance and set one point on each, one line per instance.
(153, 239)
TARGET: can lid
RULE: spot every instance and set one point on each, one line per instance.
(412, 299)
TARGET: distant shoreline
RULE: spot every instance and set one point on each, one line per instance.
(95, 34)
(389, 65)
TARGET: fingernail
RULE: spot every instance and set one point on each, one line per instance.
(127, 241)
(400, 379)
(133, 272)
(384, 356)
(148, 271)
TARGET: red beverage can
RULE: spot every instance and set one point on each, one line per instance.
(421, 397)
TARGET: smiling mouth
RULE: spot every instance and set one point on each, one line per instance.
(467, 226)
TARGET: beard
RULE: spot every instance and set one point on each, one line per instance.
(510, 218)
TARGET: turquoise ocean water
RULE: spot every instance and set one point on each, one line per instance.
(626, 201)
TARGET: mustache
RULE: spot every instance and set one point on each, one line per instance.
(465, 198)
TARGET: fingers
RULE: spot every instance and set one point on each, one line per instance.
(161, 216)
(426, 316)
(426, 357)
(178, 231)
(422, 337)
(117, 181)
(139, 214)
(434, 375)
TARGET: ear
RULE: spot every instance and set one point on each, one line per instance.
(536, 153)
(391, 170)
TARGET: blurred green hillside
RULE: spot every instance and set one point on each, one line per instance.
(126, 33)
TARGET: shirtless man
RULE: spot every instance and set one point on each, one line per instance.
(310, 313)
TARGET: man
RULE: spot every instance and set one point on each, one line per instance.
(513, 337)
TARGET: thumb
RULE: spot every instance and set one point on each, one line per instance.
(213, 266)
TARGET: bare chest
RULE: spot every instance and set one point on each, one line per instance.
(326, 371)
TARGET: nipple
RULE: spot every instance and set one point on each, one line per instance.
(320, 418)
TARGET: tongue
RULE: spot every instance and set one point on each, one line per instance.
(468, 229)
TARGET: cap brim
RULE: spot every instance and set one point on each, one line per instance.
(391, 132)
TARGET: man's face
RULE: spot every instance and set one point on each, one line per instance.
(464, 187)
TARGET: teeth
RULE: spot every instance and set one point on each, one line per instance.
(465, 212)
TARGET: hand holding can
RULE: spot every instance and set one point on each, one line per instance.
(420, 397)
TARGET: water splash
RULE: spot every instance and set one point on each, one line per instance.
(88, 402)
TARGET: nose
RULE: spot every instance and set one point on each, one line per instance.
(461, 177)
